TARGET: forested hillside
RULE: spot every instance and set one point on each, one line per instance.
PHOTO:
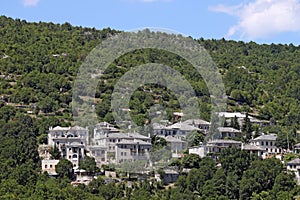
(39, 62)
(38, 65)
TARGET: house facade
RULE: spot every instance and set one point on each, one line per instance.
(179, 129)
(266, 142)
(49, 166)
(132, 150)
(228, 132)
(201, 124)
(216, 146)
(294, 166)
(254, 149)
(71, 142)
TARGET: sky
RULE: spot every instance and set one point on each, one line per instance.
(261, 21)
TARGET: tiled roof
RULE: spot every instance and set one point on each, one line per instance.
(228, 129)
(295, 161)
(182, 126)
(104, 125)
(125, 135)
(134, 142)
(297, 145)
(266, 137)
(253, 147)
(170, 138)
(220, 141)
(196, 121)
(233, 114)
(59, 128)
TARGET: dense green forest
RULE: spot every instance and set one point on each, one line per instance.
(38, 65)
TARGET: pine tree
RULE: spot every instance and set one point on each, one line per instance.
(247, 128)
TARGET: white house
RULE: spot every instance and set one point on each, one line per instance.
(108, 142)
(216, 146)
(71, 142)
(132, 150)
(228, 132)
(254, 149)
(294, 166)
(178, 129)
(49, 166)
(266, 142)
(198, 150)
(176, 143)
(199, 123)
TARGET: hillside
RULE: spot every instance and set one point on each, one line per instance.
(38, 66)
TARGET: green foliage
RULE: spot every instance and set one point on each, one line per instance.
(158, 142)
(247, 129)
(64, 168)
(215, 187)
(283, 185)
(42, 62)
(89, 164)
(55, 153)
(191, 161)
(236, 161)
(259, 177)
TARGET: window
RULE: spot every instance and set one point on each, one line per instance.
(51, 166)
(262, 143)
(70, 157)
(267, 144)
(125, 153)
(46, 166)
(121, 153)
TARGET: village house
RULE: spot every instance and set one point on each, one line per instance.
(228, 132)
(177, 129)
(107, 145)
(132, 150)
(254, 149)
(267, 143)
(297, 148)
(198, 150)
(104, 128)
(216, 146)
(241, 118)
(294, 166)
(49, 166)
(71, 142)
(199, 123)
(176, 143)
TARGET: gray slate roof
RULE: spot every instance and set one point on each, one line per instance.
(266, 137)
(294, 162)
(250, 147)
(228, 129)
(220, 141)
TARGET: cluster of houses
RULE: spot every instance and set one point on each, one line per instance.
(110, 145)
